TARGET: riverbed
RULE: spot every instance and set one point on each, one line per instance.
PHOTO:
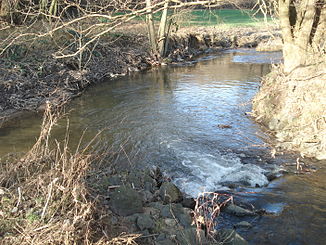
(192, 121)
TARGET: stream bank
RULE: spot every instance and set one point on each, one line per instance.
(147, 203)
(213, 95)
(293, 108)
(29, 77)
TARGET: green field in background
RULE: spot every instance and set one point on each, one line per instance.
(202, 17)
(233, 17)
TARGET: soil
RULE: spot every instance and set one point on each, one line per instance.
(293, 108)
(33, 77)
(30, 75)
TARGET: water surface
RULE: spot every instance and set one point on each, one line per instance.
(191, 120)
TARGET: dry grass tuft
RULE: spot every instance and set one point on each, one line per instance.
(45, 199)
(123, 239)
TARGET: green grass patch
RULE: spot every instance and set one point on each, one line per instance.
(231, 17)
(211, 17)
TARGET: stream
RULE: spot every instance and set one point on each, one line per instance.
(192, 121)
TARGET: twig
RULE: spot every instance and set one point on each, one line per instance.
(48, 198)
(19, 197)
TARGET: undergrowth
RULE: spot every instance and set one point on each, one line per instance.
(44, 197)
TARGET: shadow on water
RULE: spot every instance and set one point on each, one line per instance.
(191, 121)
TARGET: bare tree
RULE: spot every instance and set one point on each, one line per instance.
(151, 28)
(163, 32)
(303, 24)
(88, 21)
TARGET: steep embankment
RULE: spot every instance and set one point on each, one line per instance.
(30, 75)
(293, 107)
(190, 42)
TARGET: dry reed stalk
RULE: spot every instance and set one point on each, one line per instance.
(123, 239)
(46, 198)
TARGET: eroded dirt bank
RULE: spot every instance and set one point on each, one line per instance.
(29, 75)
(293, 107)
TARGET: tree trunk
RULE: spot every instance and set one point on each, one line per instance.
(151, 28)
(303, 30)
(162, 33)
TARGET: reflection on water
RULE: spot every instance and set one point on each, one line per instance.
(170, 118)
(20, 134)
(252, 57)
(301, 211)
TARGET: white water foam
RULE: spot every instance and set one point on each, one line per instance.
(209, 172)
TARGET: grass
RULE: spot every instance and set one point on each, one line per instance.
(229, 17)
(44, 197)
(212, 17)
(50, 195)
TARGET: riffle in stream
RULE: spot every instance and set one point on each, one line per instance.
(191, 121)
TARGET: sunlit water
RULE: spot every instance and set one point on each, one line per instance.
(191, 121)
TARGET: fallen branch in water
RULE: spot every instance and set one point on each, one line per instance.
(208, 208)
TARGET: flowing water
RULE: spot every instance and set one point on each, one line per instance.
(191, 120)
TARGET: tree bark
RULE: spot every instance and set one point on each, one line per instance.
(318, 39)
(151, 28)
(303, 25)
(162, 33)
